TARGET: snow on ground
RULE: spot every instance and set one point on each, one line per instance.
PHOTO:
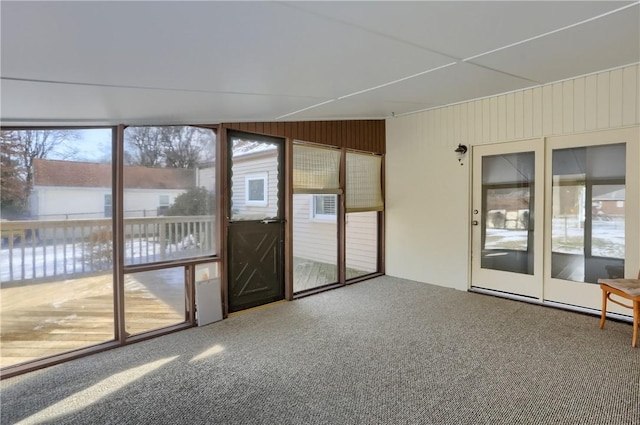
(41, 260)
(607, 239)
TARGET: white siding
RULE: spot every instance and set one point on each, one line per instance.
(313, 240)
(59, 203)
(145, 202)
(206, 177)
(318, 240)
(254, 165)
(362, 236)
(428, 192)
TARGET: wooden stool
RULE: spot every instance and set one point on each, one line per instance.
(624, 288)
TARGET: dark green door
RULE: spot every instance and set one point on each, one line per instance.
(255, 234)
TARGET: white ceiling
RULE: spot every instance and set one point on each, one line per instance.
(171, 62)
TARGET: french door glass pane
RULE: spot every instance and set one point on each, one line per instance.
(588, 207)
(507, 228)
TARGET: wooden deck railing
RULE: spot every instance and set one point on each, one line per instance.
(62, 248)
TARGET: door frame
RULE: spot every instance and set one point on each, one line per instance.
(226, 134)
(558, 292)
(564, 291)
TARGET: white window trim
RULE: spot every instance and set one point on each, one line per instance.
(251, 177)
(323, 218)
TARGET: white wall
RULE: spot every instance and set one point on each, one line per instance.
(427, 191)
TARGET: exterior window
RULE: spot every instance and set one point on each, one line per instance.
(108, 212)
(163, 204)
(324, 207)
(256, 190)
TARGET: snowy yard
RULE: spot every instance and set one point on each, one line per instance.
(607, 239)
(41, 260)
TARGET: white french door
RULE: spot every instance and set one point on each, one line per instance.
(592, 211)
(507, 219)
(553, 215)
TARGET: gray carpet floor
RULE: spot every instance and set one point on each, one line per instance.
(383, 351)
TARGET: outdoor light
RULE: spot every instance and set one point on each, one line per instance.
(461, 150)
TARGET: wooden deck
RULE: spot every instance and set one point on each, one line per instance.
(308, 274)
(43, 319)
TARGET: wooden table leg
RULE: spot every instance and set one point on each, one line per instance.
(603, 317)
(636, 318)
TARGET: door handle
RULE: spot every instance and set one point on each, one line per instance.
(269, 221)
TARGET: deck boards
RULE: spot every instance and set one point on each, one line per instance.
(48, 318)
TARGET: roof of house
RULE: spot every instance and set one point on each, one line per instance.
(90, 174)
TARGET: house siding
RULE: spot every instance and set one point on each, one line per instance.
(60, 203)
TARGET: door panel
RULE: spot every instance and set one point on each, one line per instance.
(255, 220)
(255, 271)
(592, 195)
(506, 246)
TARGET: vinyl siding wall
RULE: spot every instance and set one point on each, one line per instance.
(428, 191)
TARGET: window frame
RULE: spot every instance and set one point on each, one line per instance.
(326, 218)
(265, 190)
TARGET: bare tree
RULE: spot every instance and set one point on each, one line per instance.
(168, 146)
(143, 146)
(185, 147)
(29, 145)
(20, 148)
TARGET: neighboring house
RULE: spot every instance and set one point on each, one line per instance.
(59, 185)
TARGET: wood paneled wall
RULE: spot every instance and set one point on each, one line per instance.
(364, 135)
(605, 100)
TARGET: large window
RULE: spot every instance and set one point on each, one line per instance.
(588, 224)
(165, 164)
(56, 259)
(61, 279)
(316, 188)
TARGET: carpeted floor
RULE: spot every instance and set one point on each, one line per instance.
(384, 351)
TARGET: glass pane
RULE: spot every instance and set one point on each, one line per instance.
(315, 245)
(507, 228)
(154, 299)
(169, 193)
(588, 204)
(362, 244)
(56, 259)
(608, 224)
(254, 179)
